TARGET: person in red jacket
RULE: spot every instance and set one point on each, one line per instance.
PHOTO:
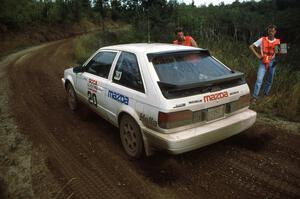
(266, 55)
(181, 39)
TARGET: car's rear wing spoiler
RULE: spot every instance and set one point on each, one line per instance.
(234, 79)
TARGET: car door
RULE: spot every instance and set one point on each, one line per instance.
(127, 86)
(91, 83)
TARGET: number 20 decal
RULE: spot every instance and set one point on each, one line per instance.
(92, 98)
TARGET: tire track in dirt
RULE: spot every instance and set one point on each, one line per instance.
(232, 170)
(271, 183)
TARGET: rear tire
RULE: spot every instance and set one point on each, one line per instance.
(72, 97)
(131, 137)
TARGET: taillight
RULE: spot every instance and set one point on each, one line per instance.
(242, 102)
(174, 119)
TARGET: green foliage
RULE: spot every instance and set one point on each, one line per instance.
(85, 46)
(116, 10)
(17, 15)
(14, 15)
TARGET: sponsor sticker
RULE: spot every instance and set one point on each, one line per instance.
(195, 101)
(215, 96)
(179, 105)
(92, 85)
(233, 93)
(148, 120)
(118, 97)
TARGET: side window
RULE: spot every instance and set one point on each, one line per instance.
(127, 72)
(100, 64)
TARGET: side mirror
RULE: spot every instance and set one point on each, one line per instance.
(78, 69)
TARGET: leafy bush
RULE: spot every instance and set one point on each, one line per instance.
(85, 46)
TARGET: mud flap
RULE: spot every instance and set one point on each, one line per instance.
(148, 149)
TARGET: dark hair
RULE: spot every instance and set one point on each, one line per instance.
(177, 30)
(271, 26)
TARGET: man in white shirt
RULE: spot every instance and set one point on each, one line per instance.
(266, 55)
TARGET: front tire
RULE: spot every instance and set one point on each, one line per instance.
(72, 98)
(131, 137)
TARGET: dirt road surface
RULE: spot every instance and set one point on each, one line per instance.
(80, 155)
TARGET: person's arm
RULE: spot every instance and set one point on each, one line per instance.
(254, 51)
(193, 42)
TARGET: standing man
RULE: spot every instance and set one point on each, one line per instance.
(184, 40)
(266, 56)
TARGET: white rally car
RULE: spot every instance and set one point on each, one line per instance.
(162, 96)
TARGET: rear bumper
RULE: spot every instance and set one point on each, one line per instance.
(206, 134)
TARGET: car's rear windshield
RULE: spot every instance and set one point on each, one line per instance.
(187, 67)
(189, 73)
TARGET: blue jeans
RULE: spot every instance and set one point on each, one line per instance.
(260, 77)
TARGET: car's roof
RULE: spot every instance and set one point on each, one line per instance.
(149, 47)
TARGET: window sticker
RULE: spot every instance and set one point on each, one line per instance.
(118, 97)
(118, 75)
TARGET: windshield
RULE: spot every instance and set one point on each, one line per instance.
(187, 67)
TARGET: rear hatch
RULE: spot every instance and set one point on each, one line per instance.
(199, 87)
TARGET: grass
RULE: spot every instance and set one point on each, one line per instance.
(85, 46)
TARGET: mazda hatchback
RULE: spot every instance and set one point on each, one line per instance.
(162, 96)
